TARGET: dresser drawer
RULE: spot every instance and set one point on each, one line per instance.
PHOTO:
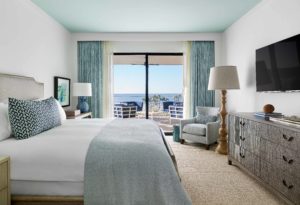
(286, 184)
(252, 143)
(274, 134)
(286, 138)
(247, 159)
(269, 151)
(289, 161)
(280, 157)
(4, 197)
(234, 131)
(265, 170)
(3, 175)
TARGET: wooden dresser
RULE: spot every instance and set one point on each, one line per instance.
(268, 151)
(4, 181)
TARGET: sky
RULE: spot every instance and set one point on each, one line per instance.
(162, 79)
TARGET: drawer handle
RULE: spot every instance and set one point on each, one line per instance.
(287, 138)
(243, 156)
(242, 138)
(242, 123)
(286, 160)
(286, 185)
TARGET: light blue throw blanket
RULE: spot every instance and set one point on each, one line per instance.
(128, 164)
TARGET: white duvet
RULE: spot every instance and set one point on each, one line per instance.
(55, 155)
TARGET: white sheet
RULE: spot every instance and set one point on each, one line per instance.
(55, 155)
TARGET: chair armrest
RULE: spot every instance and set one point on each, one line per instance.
(185, 122)
(212, 132)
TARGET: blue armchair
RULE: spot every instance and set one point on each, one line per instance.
(206, 133)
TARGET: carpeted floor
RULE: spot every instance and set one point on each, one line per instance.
(209, 180)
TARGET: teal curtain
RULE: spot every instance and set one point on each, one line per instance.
(90, 71)
(202, 58)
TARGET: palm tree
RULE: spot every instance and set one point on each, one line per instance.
(177, 98)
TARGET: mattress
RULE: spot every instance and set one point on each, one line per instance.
(52, 163)
(49, 188)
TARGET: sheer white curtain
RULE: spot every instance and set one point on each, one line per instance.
(107, 99)
(187, 80)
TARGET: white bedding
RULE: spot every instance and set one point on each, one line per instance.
(57, 155)
(47, 188)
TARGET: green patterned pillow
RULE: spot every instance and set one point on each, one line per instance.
(29, 117)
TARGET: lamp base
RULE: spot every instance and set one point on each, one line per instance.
(222, 142)
(222, 145)
(83, 106)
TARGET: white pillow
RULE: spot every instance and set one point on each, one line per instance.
(62, 112)
(5, 129)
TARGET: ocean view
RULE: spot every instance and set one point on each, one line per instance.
(140, 97)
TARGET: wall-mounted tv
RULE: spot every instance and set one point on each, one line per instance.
(278, 66)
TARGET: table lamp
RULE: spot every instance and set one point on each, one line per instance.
(82, 90)
(223, 78)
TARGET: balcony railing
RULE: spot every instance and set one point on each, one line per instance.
(121, 111)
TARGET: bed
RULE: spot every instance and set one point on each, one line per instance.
(50, 168)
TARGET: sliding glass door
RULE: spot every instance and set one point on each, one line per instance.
(149, 85)
(165, 90)
(129, 86)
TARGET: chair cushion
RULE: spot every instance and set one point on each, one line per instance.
(204, 119)
(195, 129)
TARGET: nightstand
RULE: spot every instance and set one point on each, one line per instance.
(81, 116)
(4, 181)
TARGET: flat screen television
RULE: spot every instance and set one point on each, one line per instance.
(278, 66)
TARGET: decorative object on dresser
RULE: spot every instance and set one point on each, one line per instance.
(267, 151)
(62, 90)
(81, 116)
(267, 116)
(223, 78)
(82, 90)
(4, 181)
(268, 108)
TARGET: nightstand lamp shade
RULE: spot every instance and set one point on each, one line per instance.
(82, 90)
(223, 78)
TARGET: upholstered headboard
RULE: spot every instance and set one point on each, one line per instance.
(20, 87)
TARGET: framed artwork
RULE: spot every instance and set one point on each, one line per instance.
(62, 90)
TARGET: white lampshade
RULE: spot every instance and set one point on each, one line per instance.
(82, 89)
(223, 78)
